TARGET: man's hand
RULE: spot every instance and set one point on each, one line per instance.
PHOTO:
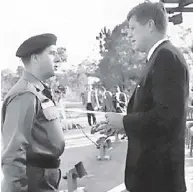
(115, 120)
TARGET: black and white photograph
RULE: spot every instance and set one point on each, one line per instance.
(96, 96)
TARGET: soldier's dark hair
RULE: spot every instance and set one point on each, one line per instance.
(27, 58)
(150, 11)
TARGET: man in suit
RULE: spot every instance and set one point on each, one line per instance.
(92, 103)
(156, 113)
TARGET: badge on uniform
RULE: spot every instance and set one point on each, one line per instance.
(47, 103)
(49, 110)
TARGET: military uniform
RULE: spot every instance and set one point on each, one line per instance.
(33, 139)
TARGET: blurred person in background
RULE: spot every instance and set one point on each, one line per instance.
(92, 103)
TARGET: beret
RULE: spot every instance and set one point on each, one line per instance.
(36, 44)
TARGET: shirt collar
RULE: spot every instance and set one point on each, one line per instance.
(33, 80)
(154, 47)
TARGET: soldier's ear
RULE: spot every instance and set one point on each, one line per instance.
(34, 58)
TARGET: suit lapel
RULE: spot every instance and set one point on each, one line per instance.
(151, 62)
(157, 49)
(145, 72)
(131, 101)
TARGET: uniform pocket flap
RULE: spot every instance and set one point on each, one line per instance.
(51, 113)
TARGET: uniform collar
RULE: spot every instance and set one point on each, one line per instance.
(33, 80)
(151, 51)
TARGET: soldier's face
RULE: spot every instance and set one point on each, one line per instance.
(49, 61)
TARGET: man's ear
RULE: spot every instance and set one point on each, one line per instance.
(34, 58)
(151, 25)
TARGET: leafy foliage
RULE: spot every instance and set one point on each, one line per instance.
(120, 64)
(62, 54)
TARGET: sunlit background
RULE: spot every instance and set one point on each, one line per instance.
(76, 23)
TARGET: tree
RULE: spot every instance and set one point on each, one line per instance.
(88, 67)
(186, 37)
(62, 54)
(103, 38)
(120, 63)
(20, 70)
(8, 80)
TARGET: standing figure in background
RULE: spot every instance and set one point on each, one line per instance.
(119, 100)
(82, 97)
(91, 101)
(60, 94)
(107, 101)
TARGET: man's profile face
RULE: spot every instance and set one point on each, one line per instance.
(49, 61)
(139, 34)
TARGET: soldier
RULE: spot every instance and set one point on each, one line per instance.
(32, 135)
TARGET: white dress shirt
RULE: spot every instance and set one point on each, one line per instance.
(89, 97)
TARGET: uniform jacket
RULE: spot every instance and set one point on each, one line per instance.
(155, 124)
(30, 128)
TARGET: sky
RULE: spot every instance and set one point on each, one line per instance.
(75, 22)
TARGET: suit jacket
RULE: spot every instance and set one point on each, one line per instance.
(94, 98)
(155, 124)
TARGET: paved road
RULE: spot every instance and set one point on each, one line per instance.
(104, 177)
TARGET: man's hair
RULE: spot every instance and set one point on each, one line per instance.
(150, 11)
(25, 60)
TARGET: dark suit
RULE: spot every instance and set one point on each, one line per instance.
(155, 124)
